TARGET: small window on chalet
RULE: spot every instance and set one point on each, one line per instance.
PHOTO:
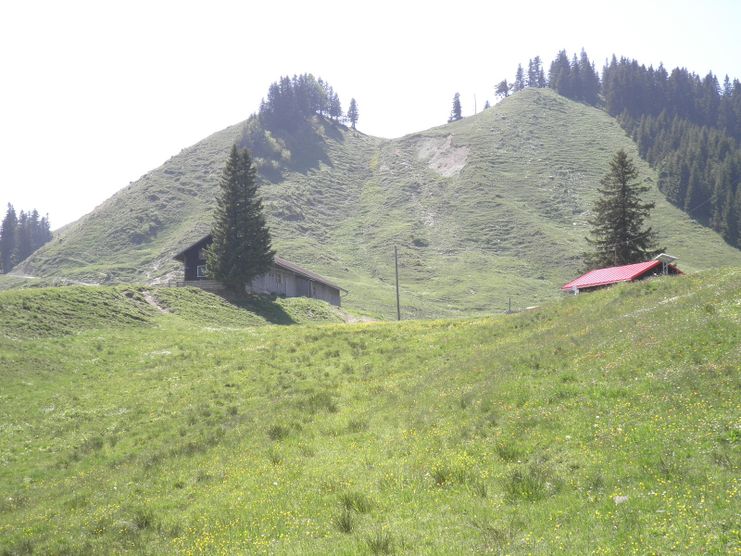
(202, 254)
(201, 271)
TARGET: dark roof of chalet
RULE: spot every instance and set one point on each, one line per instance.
(279, 262)
(197, 245)
(614, 274)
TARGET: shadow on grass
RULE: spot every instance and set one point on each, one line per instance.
(264, 306)
(300, 147)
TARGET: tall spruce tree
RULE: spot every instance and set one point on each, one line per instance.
(539, 71)
(42, 233)
(23, 237)
(241, 247)
(532, 73)
(455, 113)
(519, 83)
(352, 113)
(618, 233)
(8, 239)
(335, 107)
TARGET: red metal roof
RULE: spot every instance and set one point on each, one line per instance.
(611, 275)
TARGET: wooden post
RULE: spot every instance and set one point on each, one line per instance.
(396, 267)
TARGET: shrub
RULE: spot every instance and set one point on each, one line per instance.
(380, 542)
(344, 521)
(278, 432)
(533, 482)
(355, 501)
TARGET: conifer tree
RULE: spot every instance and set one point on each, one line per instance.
(502, 89)
(8, 239)
(321, 92)
(540, 73)
(23, 235)
(532, 73)
(41, 230)
(352, 113)
(618, 233)
(575, 90)
(335, 107)
(455, 113)
(519, 84)
(559, 76)
(588, 80)
(241, 247)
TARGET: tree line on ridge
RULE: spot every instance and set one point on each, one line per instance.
(20, 235)
(686, 126)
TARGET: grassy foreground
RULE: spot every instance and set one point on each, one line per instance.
(606, 424)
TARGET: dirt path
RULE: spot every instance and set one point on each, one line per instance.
(149, 298)
(353, 319)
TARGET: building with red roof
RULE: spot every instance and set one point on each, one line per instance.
(602, 277)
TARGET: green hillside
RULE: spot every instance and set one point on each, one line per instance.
(605, 423)
(51, 312)
(491, 207)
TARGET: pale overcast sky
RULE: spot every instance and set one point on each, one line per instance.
(95, 94)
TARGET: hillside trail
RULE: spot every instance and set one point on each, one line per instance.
(149, 298)
(67, 281)
(355, 319)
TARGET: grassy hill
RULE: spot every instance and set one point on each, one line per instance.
(605, 423)
(491, 207)
(51, 312)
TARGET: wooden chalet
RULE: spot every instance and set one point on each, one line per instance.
(603, 277)
(285, 278)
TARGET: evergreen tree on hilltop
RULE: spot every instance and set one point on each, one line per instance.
(352, 113)
(455, 113)
(323, 103)
(335, 107)
(519, 83)
(559, 76)
(291, 101)
(575, 81)
(502, 89)
(532, 74)
(8, 239)
(241, 248)
(588, 80)
(618, 233)
(539, 71)
(535, 74)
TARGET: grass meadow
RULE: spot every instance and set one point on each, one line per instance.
(605, 423)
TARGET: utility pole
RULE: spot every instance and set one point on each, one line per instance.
(396, 266)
